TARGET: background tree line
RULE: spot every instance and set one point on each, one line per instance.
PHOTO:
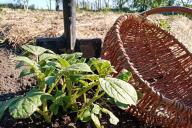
(129, 5)
(126, 5)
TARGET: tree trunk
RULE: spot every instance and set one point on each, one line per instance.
(50, 4)
(57, 5)
(25, 4)
(77, 3)
(106, 3)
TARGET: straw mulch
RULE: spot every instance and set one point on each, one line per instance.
(19, 27)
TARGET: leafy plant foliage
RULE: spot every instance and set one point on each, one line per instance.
(65, 79)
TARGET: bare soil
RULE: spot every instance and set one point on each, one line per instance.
(10, 82)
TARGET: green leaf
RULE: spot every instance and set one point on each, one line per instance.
(58, 93)
(125, 75)
(60, 100)
(118, 104)
(96, 120)
(86, 116)
(25, 72)
(82, 60)
(121, 105)
(113, 119)
(96, 109)
(49, 80)
(36, 50)
(74, 107)
(76, 55)
(77, 77)
(74, 58)
(84, 83)
(27, 105)
(90, 77)
(120, 90)
(47, 97)
(54, 108)
(32, 64)
(103, 67)
(28, 61)
(63, 62)
(48, 56)
(5, 104)
(49, 70)
(81, 67)
(53, 64)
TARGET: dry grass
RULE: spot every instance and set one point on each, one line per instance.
(180, 27)
(20, 27)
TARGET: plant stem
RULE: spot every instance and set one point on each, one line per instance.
(42, 85)
(85, 97)
(69, 87)
(85, 90)
(89, 103)
(45, 115)
(64, 85)
(96, 97)
(37, 59)
(53, 85)
(45, 106)
(69, 92)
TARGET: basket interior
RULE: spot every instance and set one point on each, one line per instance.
(159, 58)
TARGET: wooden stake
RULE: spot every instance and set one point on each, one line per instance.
(69, 12)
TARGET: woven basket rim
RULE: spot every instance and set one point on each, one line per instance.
(176, 113)
(117, 25)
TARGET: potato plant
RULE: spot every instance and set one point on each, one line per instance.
(62, 80)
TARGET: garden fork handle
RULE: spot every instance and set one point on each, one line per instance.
(176, 9)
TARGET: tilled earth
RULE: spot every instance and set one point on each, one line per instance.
(10, 82)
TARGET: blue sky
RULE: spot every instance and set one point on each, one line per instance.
(40, 4)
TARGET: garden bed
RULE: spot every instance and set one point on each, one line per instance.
(12, 86)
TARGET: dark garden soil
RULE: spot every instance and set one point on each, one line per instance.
(11, 85)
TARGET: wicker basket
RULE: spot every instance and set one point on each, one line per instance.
(161, 67)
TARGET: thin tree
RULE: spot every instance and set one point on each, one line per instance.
(186, 3)
(120, 3)
(57, 2)
(106, 2)
(24, 3)
(49, 4)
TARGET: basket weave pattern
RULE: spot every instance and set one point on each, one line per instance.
(161, 67)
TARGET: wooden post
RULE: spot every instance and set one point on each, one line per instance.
(69, 12)
(68, 43)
